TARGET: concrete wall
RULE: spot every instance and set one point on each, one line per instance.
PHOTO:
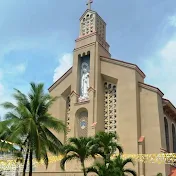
(127, 114)
(151, 125)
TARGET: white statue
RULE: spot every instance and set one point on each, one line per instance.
(84, 82)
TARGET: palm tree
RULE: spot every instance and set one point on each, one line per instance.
(77, 148)
(102, 170)
(7, 147)
(119, 165)
(30, 122)
(107, 145)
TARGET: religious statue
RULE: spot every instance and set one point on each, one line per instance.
(84, 82)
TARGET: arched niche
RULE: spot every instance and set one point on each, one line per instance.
(81, 122)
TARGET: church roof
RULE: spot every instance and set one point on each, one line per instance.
(169, 107)
(60, 79)
(126, 64)
(152, 88)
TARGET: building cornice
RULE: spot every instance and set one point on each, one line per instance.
(169, 108)
(85, 36)
(122, 63)
(152, 88)
(85, 46)
(90, 35)
(60, 79)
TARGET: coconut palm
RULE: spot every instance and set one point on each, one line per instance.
(119, 164)
(7, 147)
(77, 148)
(31, 123)
(107, 145)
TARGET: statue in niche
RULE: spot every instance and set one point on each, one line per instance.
(84, 81)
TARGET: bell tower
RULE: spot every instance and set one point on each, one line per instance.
(86, 100)
(92, 26)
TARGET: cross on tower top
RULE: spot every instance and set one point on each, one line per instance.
(89, 4)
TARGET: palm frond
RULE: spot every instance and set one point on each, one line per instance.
(130, 171)
(8, 105)
(69, 148)
(67, 158)
(52, 123)
(128, 160)
(52, 137)
(92, 169)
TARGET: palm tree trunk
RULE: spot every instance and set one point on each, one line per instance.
(25, 163)
(30, 163)
(83, 168)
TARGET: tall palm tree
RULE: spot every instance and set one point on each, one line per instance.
(31, 123)
(107, 145)
(77, 148)
(119, 164)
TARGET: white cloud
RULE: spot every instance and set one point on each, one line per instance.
(5, 90)
(1, 74)
(172, 20)
(21, 68)
(2, 98)
(169, 51)
(1, 89)
(65, 62)
(161, 70)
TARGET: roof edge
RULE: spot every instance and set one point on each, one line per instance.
(60, 79)
(152, 88)
(169, 103)
(127, 64)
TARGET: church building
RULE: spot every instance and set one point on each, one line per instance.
(100, 93)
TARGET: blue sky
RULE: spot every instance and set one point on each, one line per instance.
(37, 39)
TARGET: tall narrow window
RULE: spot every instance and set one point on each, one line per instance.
(110, 114)
(173, 138)
(68, 113)
(167, 134)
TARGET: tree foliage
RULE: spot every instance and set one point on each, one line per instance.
(29, 124)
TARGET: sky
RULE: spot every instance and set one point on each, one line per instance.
(37, 40)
